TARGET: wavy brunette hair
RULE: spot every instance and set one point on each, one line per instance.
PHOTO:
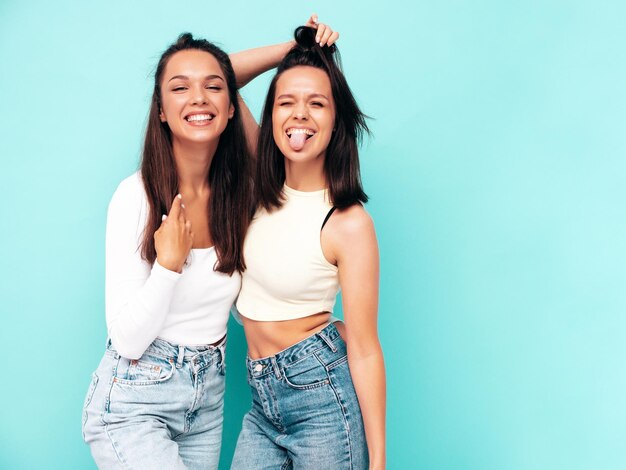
(230, 201)
(341, 164)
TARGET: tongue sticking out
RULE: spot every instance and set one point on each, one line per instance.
(296, 141)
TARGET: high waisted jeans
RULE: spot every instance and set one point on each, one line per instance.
(163, 411)
(305, 413)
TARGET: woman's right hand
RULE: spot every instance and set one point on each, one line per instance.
(325, 35)
(174, 238)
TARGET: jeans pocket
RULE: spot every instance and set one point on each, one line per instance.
(306, 374)
(145, 371)
(88, 397)
(337, 363)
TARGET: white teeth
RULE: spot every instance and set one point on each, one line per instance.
(200, 117)
(295, 130)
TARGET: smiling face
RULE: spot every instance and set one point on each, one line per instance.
(194, 98)
(303, 115)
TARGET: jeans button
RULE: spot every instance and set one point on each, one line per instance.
(258, 368)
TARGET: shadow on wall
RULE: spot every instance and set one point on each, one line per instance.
(237, 400)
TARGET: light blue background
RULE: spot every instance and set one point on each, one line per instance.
(496, 175)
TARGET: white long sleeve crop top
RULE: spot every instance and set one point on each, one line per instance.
(144, 302)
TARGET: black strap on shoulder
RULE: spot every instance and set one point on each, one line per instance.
(330, 212)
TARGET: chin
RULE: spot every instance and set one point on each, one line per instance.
(301, 157)
(198, 139)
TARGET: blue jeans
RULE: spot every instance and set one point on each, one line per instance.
(305, 413)
(163, 411)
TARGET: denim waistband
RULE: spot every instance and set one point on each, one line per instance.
(323, 338)
(179, 353)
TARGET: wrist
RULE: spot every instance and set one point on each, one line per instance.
(286, 47)
(377, 461)
(377, 465)
(170, 265)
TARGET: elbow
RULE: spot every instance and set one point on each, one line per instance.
(128, 352)
(361, 350)
(126, 349)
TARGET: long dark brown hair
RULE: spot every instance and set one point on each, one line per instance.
(341, 165)
(229, 205)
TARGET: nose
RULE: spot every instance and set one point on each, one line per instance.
(301, 112)
(199, 96)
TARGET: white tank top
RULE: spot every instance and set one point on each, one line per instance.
(287, 275)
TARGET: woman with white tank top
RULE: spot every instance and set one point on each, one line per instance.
(318, 386)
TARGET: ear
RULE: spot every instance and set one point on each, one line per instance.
(162, 115)
(231, 111)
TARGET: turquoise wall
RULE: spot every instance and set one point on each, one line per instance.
(497, 183)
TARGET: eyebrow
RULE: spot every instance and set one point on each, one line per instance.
(313, 95)
(185, 77)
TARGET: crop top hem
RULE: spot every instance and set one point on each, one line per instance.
(286, 316)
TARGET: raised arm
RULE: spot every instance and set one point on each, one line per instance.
(355, 249)
(251, 63)
(248, 65)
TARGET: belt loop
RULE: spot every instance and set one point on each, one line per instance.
(181, 356)
(328, 342)
(275, 366)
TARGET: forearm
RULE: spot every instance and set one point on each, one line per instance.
(251, 63)
(250, 126)
(136, 310)
(368, 376)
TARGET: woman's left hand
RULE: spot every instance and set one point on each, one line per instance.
(325, 35)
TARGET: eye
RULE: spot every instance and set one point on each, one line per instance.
(214, 87)
(317, 104)
(179, 88)
(285, 103)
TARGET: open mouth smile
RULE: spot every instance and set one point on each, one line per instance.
(199, 119)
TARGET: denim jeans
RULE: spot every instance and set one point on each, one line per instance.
(163, 411)
(305, 413)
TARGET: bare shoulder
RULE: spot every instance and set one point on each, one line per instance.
(353, 219)
(348, 234)
(346, 226)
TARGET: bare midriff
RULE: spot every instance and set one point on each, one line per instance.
(266, 338)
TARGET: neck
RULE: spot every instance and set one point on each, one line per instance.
(192, 164)
(305, 176)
